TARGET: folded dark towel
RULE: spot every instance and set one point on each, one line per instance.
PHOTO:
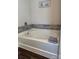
(52, 39)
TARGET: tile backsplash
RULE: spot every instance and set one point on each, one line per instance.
(41, 26)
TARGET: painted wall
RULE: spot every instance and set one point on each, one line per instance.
(23, 12)
(29, 11)
(50, 15)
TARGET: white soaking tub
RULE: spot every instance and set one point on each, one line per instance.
(37, 41)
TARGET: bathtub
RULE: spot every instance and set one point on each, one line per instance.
(37, 41)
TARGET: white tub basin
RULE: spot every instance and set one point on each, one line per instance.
(36, 40)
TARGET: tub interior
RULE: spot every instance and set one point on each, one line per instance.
(41, 33)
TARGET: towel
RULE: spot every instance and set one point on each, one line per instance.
(52, 39)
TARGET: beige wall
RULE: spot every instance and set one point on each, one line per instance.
(23, 12)
(55, 12)
(29, 11)
(50, 15)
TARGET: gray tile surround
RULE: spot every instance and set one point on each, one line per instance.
(41, 26)
(24, 28)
